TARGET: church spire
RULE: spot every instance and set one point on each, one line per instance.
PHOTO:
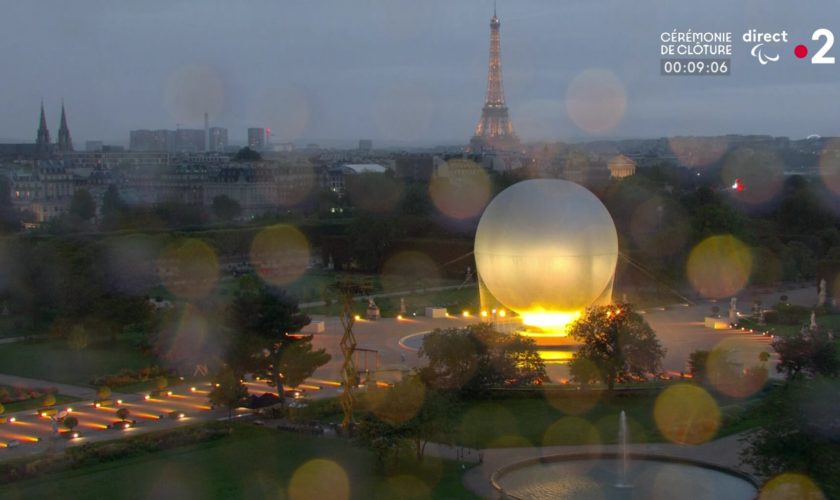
(65, 143)
(42, 142)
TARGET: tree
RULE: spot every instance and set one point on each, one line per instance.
(103, 392)
(112, 204)
(809, 353)
(618, 346)
(271, 318)
(380, 437)
(799, 433)
(434, 422)
(225, 207)
(123, 413)
(117, 312)
(48, 400)
(408, 415)
(82, 205)
(10, 217)
(697, 366)
(248, 154)
(478, 357)
(417, 200)
(228, 391)
(71, 423)
(370, 238)
(715, 366)
(78, 340)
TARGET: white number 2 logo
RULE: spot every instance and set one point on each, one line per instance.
(819, 57)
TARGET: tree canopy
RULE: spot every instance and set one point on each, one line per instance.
(225, 207)
(268, 319)
(618, 346)
(807, 353)
(407, 416)
(479, 357)
(799, 432)
(228, 391)
(248, 154)
(82, 205)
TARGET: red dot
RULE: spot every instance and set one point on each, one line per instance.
(800, 51)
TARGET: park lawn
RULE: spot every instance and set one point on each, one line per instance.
(55, 361)
(149, 385)
(252, 463)
(8, 328)
(32, 404)
(579, 419)
(456, 301)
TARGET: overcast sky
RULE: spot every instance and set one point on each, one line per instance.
(403, 70)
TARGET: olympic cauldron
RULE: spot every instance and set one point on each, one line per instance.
(546, 249)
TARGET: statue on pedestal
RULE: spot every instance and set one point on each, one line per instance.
(813, 321)
(402, 305)
(733, 313)
(372, 310)
(823, 286)
(761, 319)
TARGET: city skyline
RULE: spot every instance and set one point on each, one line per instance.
(367, 76)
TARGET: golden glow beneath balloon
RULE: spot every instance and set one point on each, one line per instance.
(719, 266)
(554, 323)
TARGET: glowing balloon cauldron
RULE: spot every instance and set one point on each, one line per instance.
(546, 249)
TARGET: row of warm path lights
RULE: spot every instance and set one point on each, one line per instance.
(101, 418)
(465, 314)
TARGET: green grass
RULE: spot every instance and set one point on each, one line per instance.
(831, 321)
(252, 463)
(54, 361)
(31, 404)
(575, 419)
(9, 329)
(456, 301)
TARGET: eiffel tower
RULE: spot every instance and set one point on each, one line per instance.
(495, 131)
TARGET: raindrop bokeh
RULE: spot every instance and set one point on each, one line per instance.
(596, 101)
(719, 266)
(319, 479)
(280, 254)
(686, 414)
(192, 91)
(188, 268)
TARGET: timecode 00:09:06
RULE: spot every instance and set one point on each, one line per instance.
(694, 67)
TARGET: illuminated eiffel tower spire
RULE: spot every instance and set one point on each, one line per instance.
(495, 131)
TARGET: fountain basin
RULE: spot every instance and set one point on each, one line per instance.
(598, 476)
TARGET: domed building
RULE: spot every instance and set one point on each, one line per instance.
(546, 249)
